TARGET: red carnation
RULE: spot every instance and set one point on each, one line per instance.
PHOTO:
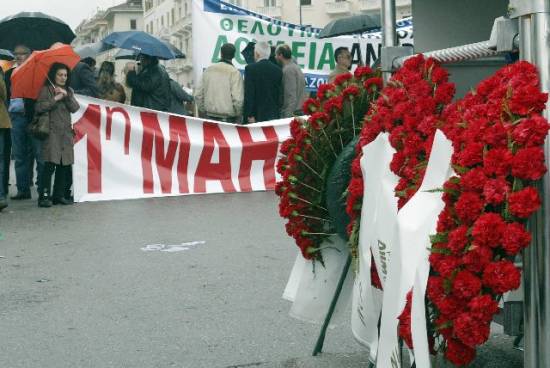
(528, 163)
(471, 155)
(531, 132)
(488, 230)
(375, 82)
(351, 91)
(474, 180)
(362, 71)
(524, 202)
(501, 276)
(515, 238)
(458, 353)
(435, 289)
(449, 306)
(468, 207)
(527, 99)
(458, 239)
(445, 221)
(477, 258)
(324, 89)
(483, 307)
(496, 191)
(311, 105)
(445, 265)
(466, 285)
(342, 78)
(405, 322)
(497, 162)
(471, 331)
(334, 104)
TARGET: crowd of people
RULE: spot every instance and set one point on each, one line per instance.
(273, 87)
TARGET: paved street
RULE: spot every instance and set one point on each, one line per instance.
(76, 290)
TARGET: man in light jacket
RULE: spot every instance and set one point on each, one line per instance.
(294, 85)
(220, 92)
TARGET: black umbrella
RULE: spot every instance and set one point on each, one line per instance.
(350, 25)
(143, 43)
(92, 50)
(6, 55)
(248, 52)
(35, 30)
(123, 54)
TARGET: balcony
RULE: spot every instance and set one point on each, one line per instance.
(182, 27)
(271, 11)
(369, 5)
(338, 7)
(374, 5)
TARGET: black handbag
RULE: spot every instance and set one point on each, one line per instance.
(40, 126)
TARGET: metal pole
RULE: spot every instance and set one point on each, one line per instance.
(300, 5)
(389, 34)
(321, 339)
(534, 36)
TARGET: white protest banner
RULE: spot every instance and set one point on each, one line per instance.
(124, 152)
(416, 221)
(217, 22)
(377, 233)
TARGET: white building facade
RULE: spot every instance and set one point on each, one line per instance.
(127, 16)
(170, 20)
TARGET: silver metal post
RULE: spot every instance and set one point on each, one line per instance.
(534, 28)
(389, 34)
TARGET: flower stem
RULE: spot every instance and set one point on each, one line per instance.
(315, 218)
(312, 169)
(352, 117)
(329, 142)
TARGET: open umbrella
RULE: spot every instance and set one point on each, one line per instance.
(92, 50)
(33, 29)
(350, 25)
(6, 55)
(29, 77)
(142, 43)
(132, 55)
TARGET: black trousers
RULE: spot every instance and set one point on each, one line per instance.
(62, 172)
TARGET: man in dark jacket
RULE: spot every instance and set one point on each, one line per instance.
(150, 86)
(25, 149)
(262, 87)
(83, 80)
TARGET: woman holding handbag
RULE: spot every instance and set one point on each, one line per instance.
(57, 100)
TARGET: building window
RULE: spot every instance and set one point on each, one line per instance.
(173, 16)
(305, 2)
(270, 3)
(162, 21)
(133, 24)
(185, 8)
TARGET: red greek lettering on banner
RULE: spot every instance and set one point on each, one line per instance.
(127, 126)
(208, 171)
(89, 126)
(258, 151)
(164, 160)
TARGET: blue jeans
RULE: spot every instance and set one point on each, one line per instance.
(26, 150)
(4, 161)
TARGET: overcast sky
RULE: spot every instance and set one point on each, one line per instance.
(70, 11)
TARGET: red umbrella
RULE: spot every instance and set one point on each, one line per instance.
(29, 78)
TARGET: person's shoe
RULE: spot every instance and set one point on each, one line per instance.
(62, 201)
(3, 204)
(20, 196)
(44, 201)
